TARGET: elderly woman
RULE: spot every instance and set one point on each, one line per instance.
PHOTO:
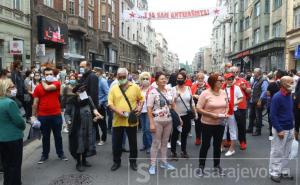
(11, 134)
(145, 78)
(212, 105)
(159, 102)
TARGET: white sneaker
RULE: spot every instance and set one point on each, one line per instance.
(190, 134)
(169, 145)
(101, 143)
(178, 143)
(65, 130)
(152, 170)
(270, 138)
(229, 153)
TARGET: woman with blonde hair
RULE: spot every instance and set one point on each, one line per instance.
(11, 133)
(145, 82)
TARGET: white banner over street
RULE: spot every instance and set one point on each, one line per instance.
(164, 15)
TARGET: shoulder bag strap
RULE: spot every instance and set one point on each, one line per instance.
(163, 96)
(183, 102)
(126, 98)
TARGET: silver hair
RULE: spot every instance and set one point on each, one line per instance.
(258, 70)
(234, 69)
(122, 70)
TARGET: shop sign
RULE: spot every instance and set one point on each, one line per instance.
(243, 54)
(16, 47)
(53, 31)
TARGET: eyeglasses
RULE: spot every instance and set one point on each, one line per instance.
(145, 78)
(122, 77)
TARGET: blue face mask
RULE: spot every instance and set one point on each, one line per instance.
(81, 70)
(72, 82)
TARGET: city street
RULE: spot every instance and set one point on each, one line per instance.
(249, 167)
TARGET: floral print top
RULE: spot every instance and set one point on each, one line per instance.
(159, 105)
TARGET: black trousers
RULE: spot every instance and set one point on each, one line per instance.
(255, 115)
(102, 124)
(240, 117)
(297, 118)
(186, 128)
(198, 127)
(211, 131)
(11, 156)
(118, 140)
(270, 122)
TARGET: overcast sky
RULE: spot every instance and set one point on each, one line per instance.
(184, 36)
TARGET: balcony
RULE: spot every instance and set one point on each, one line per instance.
(91, 34)
(14, 14)
(77, 23)
(105, 36)
(48, 12)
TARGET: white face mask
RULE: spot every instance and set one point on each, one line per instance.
(291, 88)
(50, 78)
(13, 93)
(146, 83)
(31, 75)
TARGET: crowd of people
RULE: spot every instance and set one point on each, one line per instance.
(164, 106)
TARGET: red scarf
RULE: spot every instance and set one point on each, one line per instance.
(231, 101)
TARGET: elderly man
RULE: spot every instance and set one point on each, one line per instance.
(122, 99)
(283, 129)
(240, 114)
(259, 88)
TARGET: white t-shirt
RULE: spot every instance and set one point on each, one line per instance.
(237, 95)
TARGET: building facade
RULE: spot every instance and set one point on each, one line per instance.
(258, 34)
(15, 33)
(134, 53)
(161, 58)
(108, 32)
(221, 37)
(293, 36)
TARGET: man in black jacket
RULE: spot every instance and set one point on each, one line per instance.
(18, 80)
(90, 80)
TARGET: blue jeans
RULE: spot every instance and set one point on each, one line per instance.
(147, 137)
(53, 123)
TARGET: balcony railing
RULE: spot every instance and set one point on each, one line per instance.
(15, 14)
(77, 23)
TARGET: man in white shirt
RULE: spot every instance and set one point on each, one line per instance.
(230, 90)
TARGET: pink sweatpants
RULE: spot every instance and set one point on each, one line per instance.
(160, 139)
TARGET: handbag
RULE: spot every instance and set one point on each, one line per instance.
(132, 117)
(189, 111)
(174, 115)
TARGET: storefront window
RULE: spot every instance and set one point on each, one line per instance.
(75, 45)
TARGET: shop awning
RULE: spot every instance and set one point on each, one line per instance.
(70, 56)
